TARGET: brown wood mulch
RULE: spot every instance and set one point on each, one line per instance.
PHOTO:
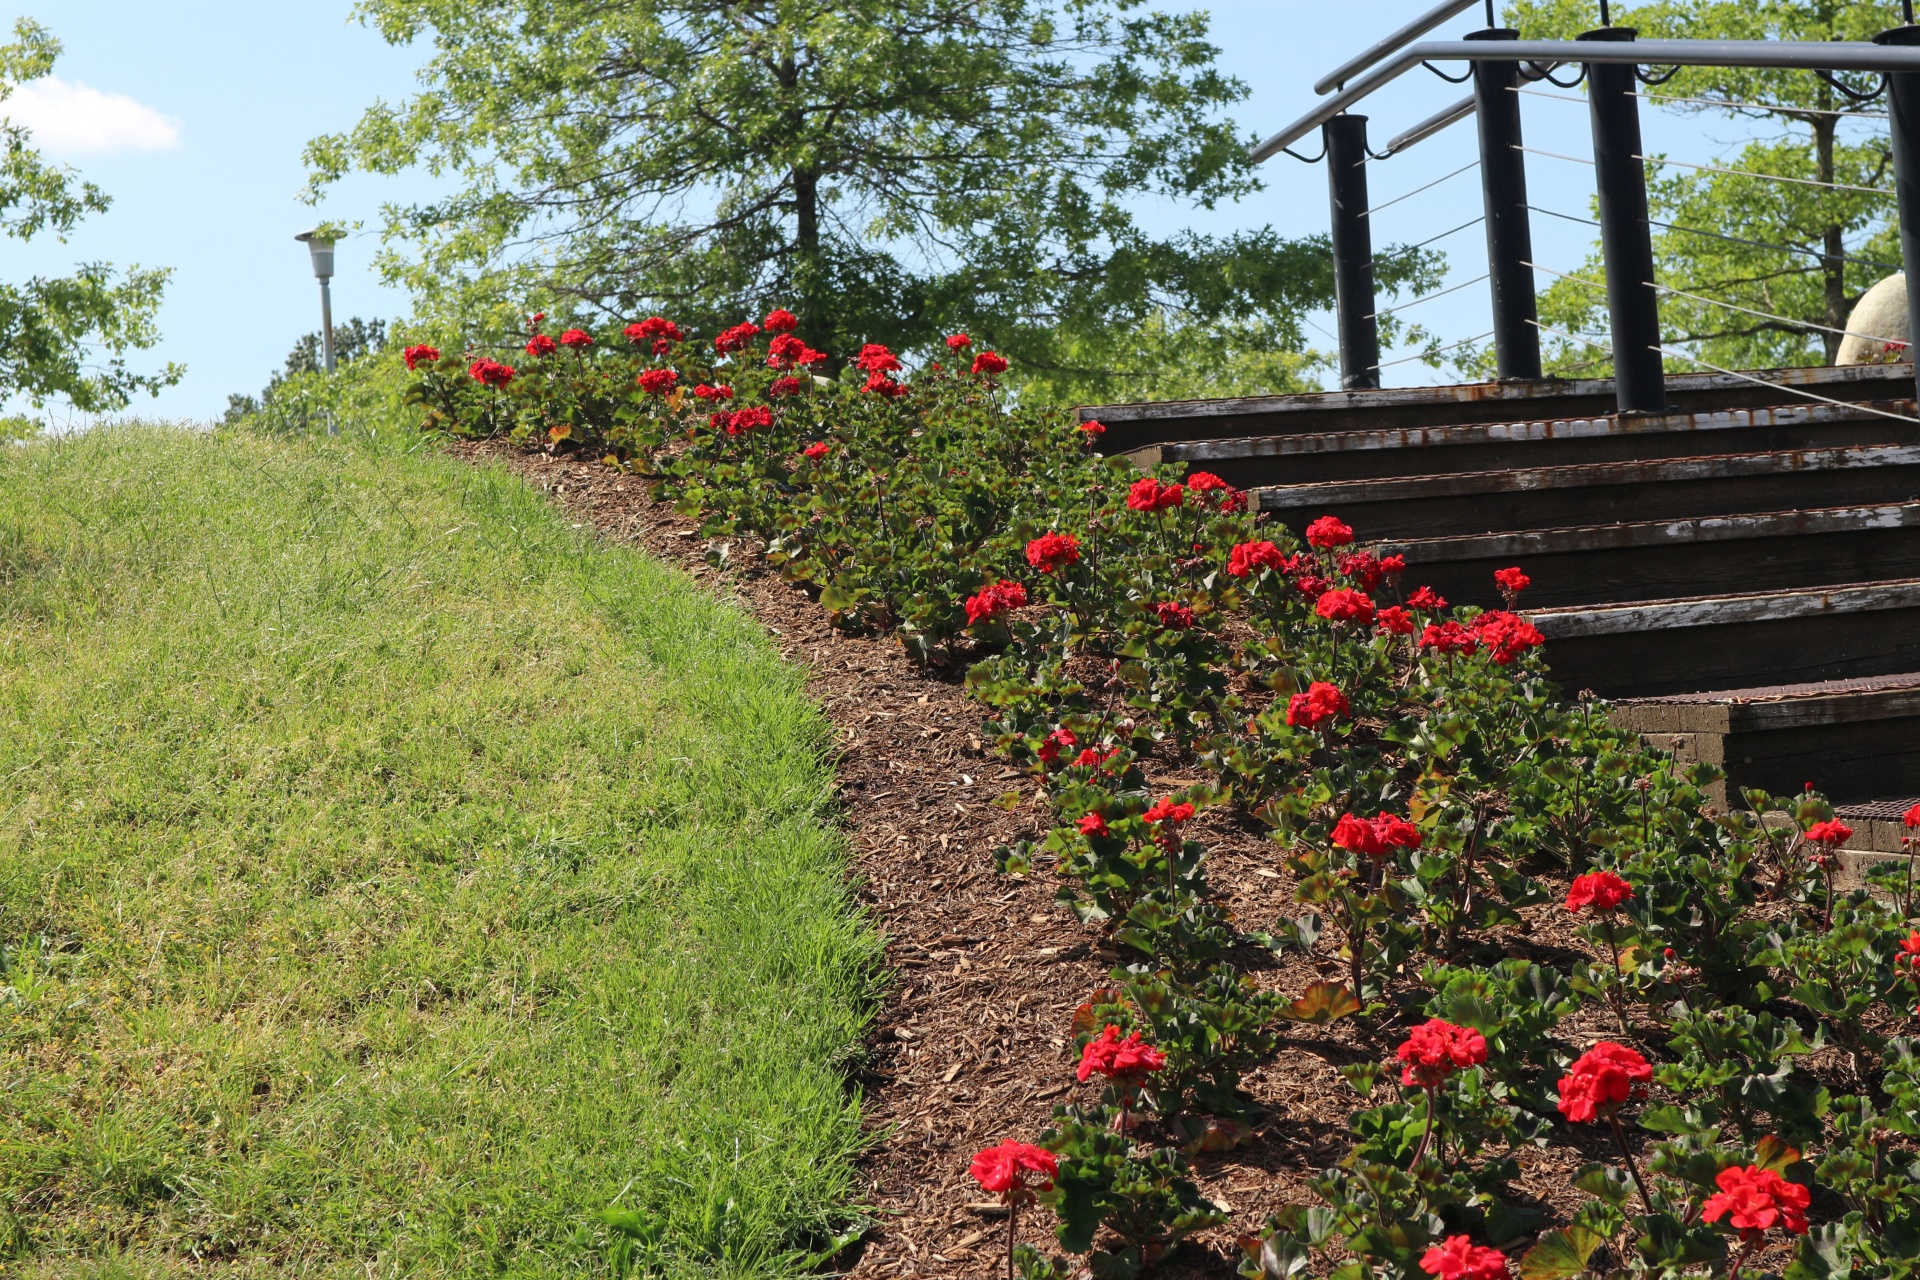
(973, 1042)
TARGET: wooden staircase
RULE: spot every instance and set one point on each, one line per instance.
(1740, 575)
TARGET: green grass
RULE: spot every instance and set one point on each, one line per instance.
(391, 879)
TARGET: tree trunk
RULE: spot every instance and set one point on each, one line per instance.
(1833, 267)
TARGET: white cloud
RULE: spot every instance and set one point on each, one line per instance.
(74, 119)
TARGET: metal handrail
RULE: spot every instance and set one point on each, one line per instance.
(1837, 55)
(1404, 36)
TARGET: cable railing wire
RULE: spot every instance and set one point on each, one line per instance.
(1770, 177)
(1441, 293)
(1718, 235)
(1471, 222)
(1474, 164)
(1606, 344)
(1428, 355)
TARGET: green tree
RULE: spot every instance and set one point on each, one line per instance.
(65, 336)
(889, 168)
(1834, 243)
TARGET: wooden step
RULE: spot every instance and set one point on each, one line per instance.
(1660, 647)
(1254, 462)
(1661, 559)
(1853, 739)
(1134, 426)
(1471, 502)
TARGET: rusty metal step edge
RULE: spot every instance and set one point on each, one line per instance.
(1476, 392)
(1656, 533)
(1537, 431)
(1708, 611)
(1586, 475)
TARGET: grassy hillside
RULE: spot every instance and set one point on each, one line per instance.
(391, 879)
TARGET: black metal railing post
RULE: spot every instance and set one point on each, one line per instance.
(1626, 237)
(1503, 186)
(1346, 138)
(1903, 110)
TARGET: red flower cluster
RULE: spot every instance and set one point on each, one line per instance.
(1600, 1080)
(990, 363)
(1092, 824)
(1015, 1170)
(741, 421)
(880, 384)
(1175, 617)
(1319, 704)
(1248, 556)
(1833, 833)
(491, 372)
(1512, 581)
(1091, 429)
(1909, 954)
(576, 339)
(1753, 1200)
(1375, 837)
(875, 358)
(1365, 568)
(817, 450)
(1506, 636)
(1344, 604)
(995, 600)
(1147, 494)
(654, 327)
(1329, 532)
(780, 388)
(780, 320)
(1448, 637)
(736, 338)
(786, 351)
(1093, 757)
(1911, 818)
(707, 392)
(1434, 1048)
(422, 354)
(657, 382)
(1052, 551)
(1054, 743)
(1458, 1258)
(1127, 1060)
(1425, 599)
(1394, 620)
(1599, 889)
(540, 345)
(958, 342)
(1167, 811)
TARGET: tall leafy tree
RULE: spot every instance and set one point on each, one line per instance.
(889, 168)
(66, 336)
(1799, 253)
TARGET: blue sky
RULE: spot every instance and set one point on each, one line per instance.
(199, 108)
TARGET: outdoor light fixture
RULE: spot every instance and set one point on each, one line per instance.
(322, 250)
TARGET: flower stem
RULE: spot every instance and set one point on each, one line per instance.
(1633, 1166)
(1613, 987)
(1013, 1218)
(1426, 1137)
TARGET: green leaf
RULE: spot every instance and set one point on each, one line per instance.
(1560, 1254)
(1322, 1003)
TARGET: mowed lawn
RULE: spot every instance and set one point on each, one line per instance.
(391, 879)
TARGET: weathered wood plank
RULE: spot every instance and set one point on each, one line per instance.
(1720, 611)
(1651, 533)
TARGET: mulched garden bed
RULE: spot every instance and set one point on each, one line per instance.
(974, 1042)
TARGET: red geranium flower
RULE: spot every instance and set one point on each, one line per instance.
(1167, 811)
(1344, 604)
(1600, 1080)
(657, 382)
(817, 450)
(1093, 757)
(1092, 824)
(706, 392)
(1393, 566)
(958, 342)
(1091, 428)
(1394, 620)
(1362, 567)
(422, 354)
(655, 327)
(783, 387)
(1505, 636)
(1319, 704)
(1015, 1170)
(540, 345)
(736, 338)
(1448, 637)
(1458, 1258)
(1207, 482)
(780, 320)
(783, 350)
(491, 372)
(1328, 532)
(995, 600)
(990, 363)
(1600, 889)
(1128, 1060)
(1753, 1200)
(1175, 617)
(1249, 556)
(1052, 551)
(1512, 581)
(1375, 837)
(1054, 743)
(577, 339)
(875, 358)
(1426, 600)
(741, 421)
(1434, 1048)
(1912, 816)
(1832, 833)
(1147, 494)
(880, 384)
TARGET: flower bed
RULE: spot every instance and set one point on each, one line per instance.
(1423, 785)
